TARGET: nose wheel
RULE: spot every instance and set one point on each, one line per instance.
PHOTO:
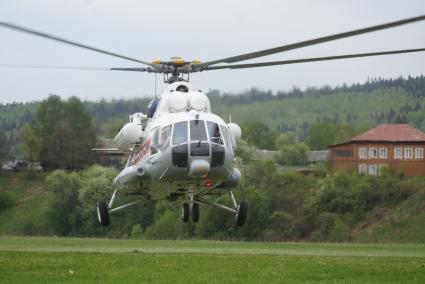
(187, 211)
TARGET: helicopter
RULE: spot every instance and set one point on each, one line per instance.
(179, 150)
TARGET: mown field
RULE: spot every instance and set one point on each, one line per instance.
(71, 260)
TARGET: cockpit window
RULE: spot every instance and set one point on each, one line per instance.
(226, 136)
(180, 132)
(197, 130)
(155, 140)
(165, 136)
(214, 132)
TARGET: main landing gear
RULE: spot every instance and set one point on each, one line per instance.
(240, 210)
(103, 213)
(104, 209)
(187, 211)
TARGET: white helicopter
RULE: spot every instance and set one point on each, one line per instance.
(180, 150)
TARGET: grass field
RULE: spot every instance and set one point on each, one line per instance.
(53, 260)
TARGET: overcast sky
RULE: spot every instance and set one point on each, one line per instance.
(204, 30)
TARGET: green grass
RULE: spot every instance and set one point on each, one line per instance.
(53, 260)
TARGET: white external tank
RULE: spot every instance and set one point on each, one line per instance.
(178, 102)
(128, 136)
(235, 130)
(199, 101)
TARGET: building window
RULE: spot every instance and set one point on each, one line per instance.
(343, 153)
(408, 153)
(362, 169)
(383, 153)
(363, 153)
(373, 170)
(373, 153)
(419, 153)
(398, 153)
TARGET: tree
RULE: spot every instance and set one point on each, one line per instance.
(30, 144)
(61, 136)
(245, 151)
(260, 135)
(323, 134)
(295, 154)
(63, 210)
(4, 147)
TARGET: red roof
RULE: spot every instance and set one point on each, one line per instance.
(391, 133)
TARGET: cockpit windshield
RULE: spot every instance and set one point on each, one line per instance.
(180, 132)
(197, 130)
(214, 132)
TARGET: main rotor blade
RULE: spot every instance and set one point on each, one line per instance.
(54, 67)
(136, 69)
(314, 59)
(56, 38)
(311, 42)
(84, 68)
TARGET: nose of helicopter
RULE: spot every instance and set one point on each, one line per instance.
(198, 168)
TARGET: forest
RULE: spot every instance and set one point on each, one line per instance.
(355, 108)
(283, 205)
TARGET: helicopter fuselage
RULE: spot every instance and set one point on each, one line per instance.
(184, 149)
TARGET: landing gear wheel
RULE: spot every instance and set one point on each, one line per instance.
(241, 213)
(185, 212)
(195, 212)
(102, 213)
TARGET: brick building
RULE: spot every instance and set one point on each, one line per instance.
(397, 146)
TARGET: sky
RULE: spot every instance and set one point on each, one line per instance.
(204, 30)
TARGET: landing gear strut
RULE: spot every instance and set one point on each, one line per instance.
(240, 210)
(104, 210)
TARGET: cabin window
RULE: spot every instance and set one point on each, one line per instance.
(363, 153)
(362, 169)
(373, 153)
(165, 136)
(398, 153)
(373, 170)
(197, 130)
(180, 132)
(214, 133)
(383, 153)
(408, 153)
(419, 153)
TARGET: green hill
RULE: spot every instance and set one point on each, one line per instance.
(403, 223)
(27, 212)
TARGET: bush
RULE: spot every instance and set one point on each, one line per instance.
(330, 228)
(136, 232)
(167, 226)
